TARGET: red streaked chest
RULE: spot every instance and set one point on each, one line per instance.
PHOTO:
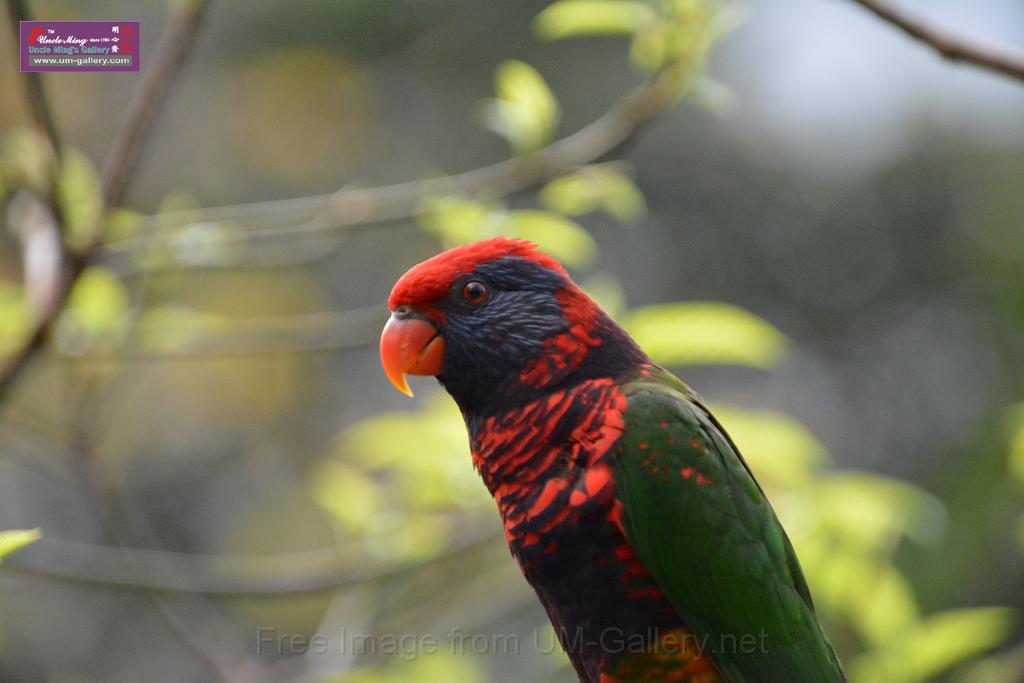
(549, 466)
(548, 462)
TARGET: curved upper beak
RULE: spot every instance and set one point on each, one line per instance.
(410, 346)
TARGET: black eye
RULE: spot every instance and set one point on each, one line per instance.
(475, 292)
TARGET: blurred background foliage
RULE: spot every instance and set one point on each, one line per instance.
(822, 230)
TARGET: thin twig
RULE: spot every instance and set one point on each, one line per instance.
(146, 102)
(239, 576)
(17, 12)
(284, 335)
(952, 46)
(210, 636)
(354, 207)
(42, 251)
(162, 72)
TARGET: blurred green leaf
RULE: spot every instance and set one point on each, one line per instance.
(649, 49)
(866, 591)
(598, 186)
(998, 668)
(422, 438)
(948, 638)
(424, 452)
(874, 512)
(122, 224)
(173, 328)
(353, 497)
(570, 18)
(525, 112)
(433, 661)
(779, 450)
(80, 198)
(933, 645)
(405, 538)
(562, 238)
(27, 160)
(455, 221)
(95, 311)
(713, 95)
(1015, 422)
(682, 39)
(13, 540)
(14, 317)
(697, 333)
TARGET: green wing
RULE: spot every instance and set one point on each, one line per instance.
(701, 525)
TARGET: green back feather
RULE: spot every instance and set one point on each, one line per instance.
(702, 526)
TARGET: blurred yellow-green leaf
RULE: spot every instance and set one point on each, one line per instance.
(933, 645)
(779, 450)
(431, 661)
(598, 186)
(649, 48)
(950, 637)
(15, 539)
(14, 317)
(525, 111)
(714, 95)
(700, 333)
(562, 238)
(457, 221)
(27, 160)
(863, 590)
(1015, 422)
(453, 220)
(875, 512)
(570, 18)
(95, 311)
(424, 453)
(352, 496)
(122, 224)
(80, 198)
(402, 537)
(172, 328)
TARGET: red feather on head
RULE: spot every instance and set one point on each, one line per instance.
(432, 279)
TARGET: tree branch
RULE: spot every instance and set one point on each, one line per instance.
(42, 251)
(951, 46)
(166, 64)
(352, 207)
(282, 335)
(39, 109)
(238, 576)
(145, 106)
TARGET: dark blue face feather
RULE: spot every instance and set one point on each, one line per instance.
(488, 345)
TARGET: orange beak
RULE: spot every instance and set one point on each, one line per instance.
(410, 346)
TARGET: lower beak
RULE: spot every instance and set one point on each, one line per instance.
(410, 346)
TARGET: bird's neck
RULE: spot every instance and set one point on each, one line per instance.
(589, 346)
(554, 437)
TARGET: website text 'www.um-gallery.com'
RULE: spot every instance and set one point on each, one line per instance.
(80, 61)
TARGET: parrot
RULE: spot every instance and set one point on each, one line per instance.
(627, 506)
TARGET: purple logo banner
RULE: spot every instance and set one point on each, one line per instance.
(80, 46)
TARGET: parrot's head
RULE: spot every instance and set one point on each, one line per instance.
(498, 322)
